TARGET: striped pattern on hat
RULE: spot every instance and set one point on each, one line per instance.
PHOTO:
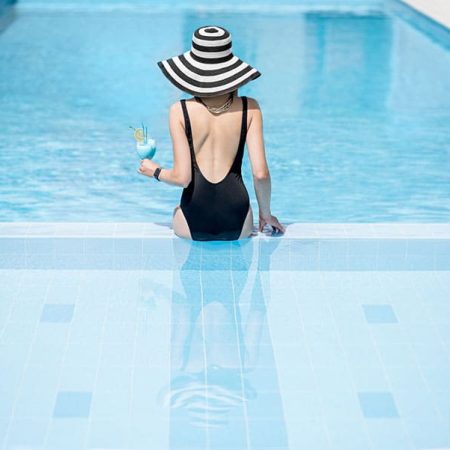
(209, 68)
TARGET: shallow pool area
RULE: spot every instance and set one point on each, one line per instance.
(355, 102)
(331, 337)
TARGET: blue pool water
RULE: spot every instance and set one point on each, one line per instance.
(280, 344)
(356, 112)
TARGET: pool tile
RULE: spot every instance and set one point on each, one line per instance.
(49, 346)
(37, 392)
(267, 433)
(417, 405)
(377, 404)
(71, 404)
(370, 378)
(335, 402)
(332, 379)
(17, 332)
(388, 434)
(395, 354)
(429, 434)
(379, 314)
(108, 434)
(264, 405)
(347, 434)
(185, 436)
(57, 313)
(406, 378)
(219, 437)
(67, 245)
(308, 399)
(94, 246)
(437, 377)
(27, 433)
(67, 434)
(306, 434)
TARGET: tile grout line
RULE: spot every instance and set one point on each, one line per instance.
(347, 364)
(324, 425)
(238, 344)
(26, 364)
(97, 371)
(419, 367)
(16, 296)
(205, 358)
(269, 330)
(138, 323)
(383, 367)
(69, 333)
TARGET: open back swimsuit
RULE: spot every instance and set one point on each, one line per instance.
(216, 211)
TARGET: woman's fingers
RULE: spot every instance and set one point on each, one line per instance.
(261, 225)
(274, 223)
(279, 226)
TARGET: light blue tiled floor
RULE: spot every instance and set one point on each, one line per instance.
(273, 344)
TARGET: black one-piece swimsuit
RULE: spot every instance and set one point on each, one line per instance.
(216, 211)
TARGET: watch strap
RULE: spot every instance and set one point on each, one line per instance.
(157, 172)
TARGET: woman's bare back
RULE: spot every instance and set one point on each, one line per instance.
(215, 203)
(215, 137)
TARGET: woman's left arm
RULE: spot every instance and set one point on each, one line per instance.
(180, 174)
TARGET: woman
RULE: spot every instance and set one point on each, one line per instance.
(209, 133)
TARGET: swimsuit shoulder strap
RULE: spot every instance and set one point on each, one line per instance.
(188, 130)
(240, 153)
(244, 121)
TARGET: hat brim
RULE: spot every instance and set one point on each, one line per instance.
(207, 79)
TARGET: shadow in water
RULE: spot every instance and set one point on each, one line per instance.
(223, 388)
(7, 14)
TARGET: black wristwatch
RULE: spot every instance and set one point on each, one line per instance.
(157, 172)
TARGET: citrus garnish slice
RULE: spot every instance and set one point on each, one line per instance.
(139, 135)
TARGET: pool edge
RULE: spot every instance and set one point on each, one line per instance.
(298, 230)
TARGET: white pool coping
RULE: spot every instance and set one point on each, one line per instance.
(149, 230)
(437, 10)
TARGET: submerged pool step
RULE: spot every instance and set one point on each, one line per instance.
(304, 247)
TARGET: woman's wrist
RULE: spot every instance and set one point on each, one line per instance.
(265, 214)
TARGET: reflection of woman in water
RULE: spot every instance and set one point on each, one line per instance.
(210, 349)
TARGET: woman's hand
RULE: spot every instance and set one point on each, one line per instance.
(272, 221)
(147, 167)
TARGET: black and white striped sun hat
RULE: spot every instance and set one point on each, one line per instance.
(209, 68)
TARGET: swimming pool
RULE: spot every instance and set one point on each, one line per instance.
(116, 335)
(356, 111)
(130, 339)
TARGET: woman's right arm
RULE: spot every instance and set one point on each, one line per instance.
(260, 169)
(180, 174)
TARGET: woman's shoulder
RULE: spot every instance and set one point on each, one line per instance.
(176, 108)
(252, 103)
